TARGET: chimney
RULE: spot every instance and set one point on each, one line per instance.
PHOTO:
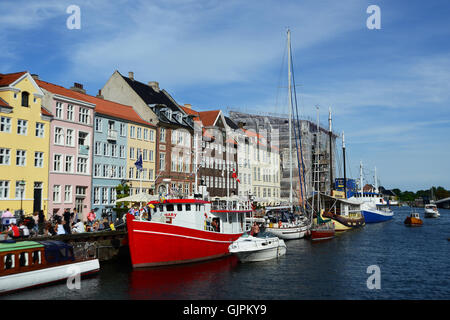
(187, 106)
(99, 95)
(154, 85)
(131, 75)
(78, 87)
(35, 76)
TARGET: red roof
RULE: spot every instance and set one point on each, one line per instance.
(3, 103)
(102, 106)
(45, 112)
(7, 79)
(208, 117)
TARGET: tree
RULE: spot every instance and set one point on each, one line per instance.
(123, 190)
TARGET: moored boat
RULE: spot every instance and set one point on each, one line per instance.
(284, 224)
(322, 229)
(185, 230)
(431, 211)
(413, 220)
(27, 264)
(254, 249)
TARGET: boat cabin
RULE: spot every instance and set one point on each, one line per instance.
(23, 256)
(216, 216)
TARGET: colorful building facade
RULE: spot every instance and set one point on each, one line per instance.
(24, 145)
(71, 134)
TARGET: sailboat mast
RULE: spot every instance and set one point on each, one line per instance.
(318, 164)
(376, 181)
(331, 151)
(290, 115)
(361, 178)
(345, 172)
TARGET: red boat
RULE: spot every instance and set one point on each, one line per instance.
(322, 229)
(185, 230)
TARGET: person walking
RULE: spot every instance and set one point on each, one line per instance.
(67, 219)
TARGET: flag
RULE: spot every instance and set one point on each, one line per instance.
(138, 163)
(234, 175)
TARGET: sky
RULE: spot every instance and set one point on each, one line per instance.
(388, 88)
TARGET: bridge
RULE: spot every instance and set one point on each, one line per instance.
(443, 203)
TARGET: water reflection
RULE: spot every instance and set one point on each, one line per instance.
(176, 282)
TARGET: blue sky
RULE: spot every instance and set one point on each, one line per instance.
(389, 89)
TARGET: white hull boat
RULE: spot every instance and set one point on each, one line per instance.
(289, 232)
(254, 249)
(431, 211)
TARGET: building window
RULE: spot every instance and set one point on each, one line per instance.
(97, 169)
(82, 165)
(25, 98)
(131, 173)
(112, 195)
(98, 124)
(132, 131)
(150, 155)
(80, 191)
(68, 194)
(70, 112)
(59, 110)
(105, 170)
(5, 124)
(98, 147)
(22, 127)
(59, 136)
(146, 134)
(152, 135)
(139, 133)
(57, 193)
(145, 155)
(69, 138)
(69, 164)
(104, 195)
(20, 190)
(39, 159)
(162, 161)
(106, 149)
(96, 195)
(123, 130)
(131, 153)
(39, 130)
(114, 150)
(162, 135)
(150, 174)
(21, 158)
(57, 162)
(122, 152)
(4, 156)
(4, 189)
(84, 115)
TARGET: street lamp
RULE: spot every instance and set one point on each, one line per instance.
(21, 188)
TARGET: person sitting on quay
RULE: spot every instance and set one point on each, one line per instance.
(105, 223)
(59, 228)
(91, 217)
(25, 232)
(14, 231)
(95, 226)
(78, 227)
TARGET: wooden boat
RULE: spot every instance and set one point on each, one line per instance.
(322, 229)
(253, 249)
(413, 220)
(26, 264)
(345, 213)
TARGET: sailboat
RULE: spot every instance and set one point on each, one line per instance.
(282, 220)
(430, 209)
(345, 213)
(321, 229)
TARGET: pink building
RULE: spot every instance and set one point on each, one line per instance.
(70, 163)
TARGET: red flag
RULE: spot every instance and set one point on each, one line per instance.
(234, 175)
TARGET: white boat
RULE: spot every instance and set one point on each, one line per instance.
(431, 211)
(282, 223)
(27, 264)
(253, 249)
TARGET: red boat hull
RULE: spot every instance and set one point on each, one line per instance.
(322, 234)
(156, 244)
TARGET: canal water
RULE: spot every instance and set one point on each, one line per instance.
(413, 263)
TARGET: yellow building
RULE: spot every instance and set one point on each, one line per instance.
(141, 141)
(24, 145)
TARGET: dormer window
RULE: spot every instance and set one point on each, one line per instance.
(25, 97)
(169, 114)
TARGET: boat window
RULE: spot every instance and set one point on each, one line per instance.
(188, 207)
(9, 261)
(23, 259)
(169, 207)
(179, 207)
(36, 257)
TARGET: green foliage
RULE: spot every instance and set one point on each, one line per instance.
(436, 193)
(123, 190)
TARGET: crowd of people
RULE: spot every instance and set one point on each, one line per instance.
(67, 223)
